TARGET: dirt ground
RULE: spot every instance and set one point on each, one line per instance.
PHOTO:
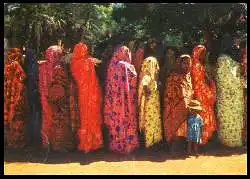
(213, 161)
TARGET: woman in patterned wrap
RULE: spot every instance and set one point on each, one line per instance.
(120, 103)
(61, 136)
(52, 56)
(205, 92)
(72, 99)
(15, 101)
(177, 96)
(230, 100)
(149, 102)
(89, 99)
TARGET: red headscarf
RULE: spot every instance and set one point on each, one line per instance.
(89, 99)
(15, 54)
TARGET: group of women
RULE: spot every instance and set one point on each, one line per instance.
(140, 98)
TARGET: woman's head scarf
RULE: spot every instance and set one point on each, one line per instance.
(197, 52)
(150, 67)
(123, 54)
(15, 55)
(185, 63)
(80, 51)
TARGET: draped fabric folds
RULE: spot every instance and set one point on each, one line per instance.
(52, 56)
(33, 96)
(90, 99)
(120, 103)
(169, 66)
(229, 101)
(15, 101)
(149, 106)
(177, 95)
(72, 100)
(61, 136)
(205, 92)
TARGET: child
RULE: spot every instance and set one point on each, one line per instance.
(194, 126)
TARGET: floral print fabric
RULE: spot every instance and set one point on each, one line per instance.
(229, 101)
(89, 99)
(169, 66)
(205, 93)
(120, 103)
(72, 100)
(177, 95)
(15, 101)
(149, 106)
(61, 131)
(52, 56)
(42, 84)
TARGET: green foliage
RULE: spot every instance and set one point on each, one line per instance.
(41, 25)
(190, 19)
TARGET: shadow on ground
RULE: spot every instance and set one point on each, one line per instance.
(160, 154)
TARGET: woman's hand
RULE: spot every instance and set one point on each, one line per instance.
(96, 61)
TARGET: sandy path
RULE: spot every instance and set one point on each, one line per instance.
(156, 163)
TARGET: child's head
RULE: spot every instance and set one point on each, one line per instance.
(193, 111)
(194, 107)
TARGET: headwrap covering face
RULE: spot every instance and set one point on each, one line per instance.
(149, 105)
(15, 54)
(89, 99)
(123, 53)
(80, 51)
(150, 68)
(198, 50)
(120, 104)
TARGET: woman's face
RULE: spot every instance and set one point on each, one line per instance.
(131, 45)
(152, 45)
(170, 52)
(185, 64)
(237, 42)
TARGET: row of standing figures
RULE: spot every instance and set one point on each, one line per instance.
(74, 109)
